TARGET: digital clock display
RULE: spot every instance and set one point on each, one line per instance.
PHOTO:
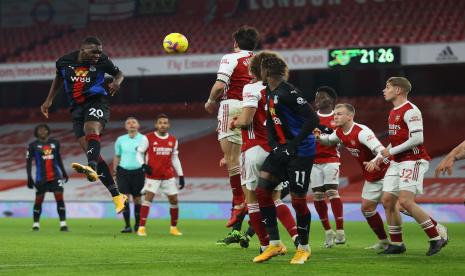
(363, 56)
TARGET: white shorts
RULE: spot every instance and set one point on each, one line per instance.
(228, 110)
(406, 176)
(252, 160)
(166, 186)
(327, 173)
(373, 190)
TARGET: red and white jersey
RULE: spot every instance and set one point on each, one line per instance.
(254, 95)
(234, 71)
(326, 154)
(160, 151)
(404, 120)
(362, 144)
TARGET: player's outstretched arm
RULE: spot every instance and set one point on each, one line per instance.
(447, 163)
(215, 93)
(56, 84)
(115, 85)
(244, 119)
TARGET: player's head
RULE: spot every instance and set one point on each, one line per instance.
(343, 114)
(91, 49)
(246, 38)
(395, 87)
(162, 123)
(256, 63)
(325, 96)
(131, 124)
(42, 131)
(274, 68)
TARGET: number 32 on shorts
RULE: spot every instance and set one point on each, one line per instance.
(98, 113)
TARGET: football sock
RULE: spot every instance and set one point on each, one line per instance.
(376, 223)
(127, 214)
(37, 209)
(144, 212)
(235, 182)
(256, 222)
(337, 207)
(430, 229)
(395, 233)
(136, 213)
(405, 212)
(250, 231)
(322, 209)
(285, 217)
(61, 210)
(93, 149)
(267, 209)
(174, 214)
(303, 218)
(106, 178)
(238, 225)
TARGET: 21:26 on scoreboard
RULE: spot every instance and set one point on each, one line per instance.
(364, 56)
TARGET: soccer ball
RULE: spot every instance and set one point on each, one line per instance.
(175, 43)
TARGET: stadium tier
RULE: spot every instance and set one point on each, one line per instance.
(373, 23)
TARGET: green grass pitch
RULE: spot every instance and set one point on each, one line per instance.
(95, 247)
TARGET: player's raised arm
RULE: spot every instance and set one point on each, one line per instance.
(56, 84)
(446, 164)
(113, 70)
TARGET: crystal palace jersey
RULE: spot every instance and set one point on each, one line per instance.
(46, 156)
(159, 153)
(326, 154)
(254, 95)
(289, 114)
(404, 120)
(362, 144)
(234, 72)
(83, 81)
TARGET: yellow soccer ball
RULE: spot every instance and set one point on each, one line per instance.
(175, 43)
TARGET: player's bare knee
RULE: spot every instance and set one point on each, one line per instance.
(406, 203)
(318, 196)
(332, 194)
(173, 200)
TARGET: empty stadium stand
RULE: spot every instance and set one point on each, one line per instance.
(373, 23)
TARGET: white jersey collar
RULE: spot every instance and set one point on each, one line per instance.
(162, 137)
(325, 115)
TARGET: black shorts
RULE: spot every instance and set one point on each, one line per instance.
(94, 110)
(50, 186)
(130, 181)
(297, 171)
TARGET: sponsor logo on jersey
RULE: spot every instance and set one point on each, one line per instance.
(80, 75)
(47, 154)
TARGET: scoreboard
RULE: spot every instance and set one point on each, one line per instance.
(348, 57)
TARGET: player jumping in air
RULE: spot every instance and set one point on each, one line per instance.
(255, 149)
(160, 163)
(130, 176)
(325, 171)
(83, 75)
(362, 144)
(290, 122)
(404, 178)
(50, 173)
(227, 90)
